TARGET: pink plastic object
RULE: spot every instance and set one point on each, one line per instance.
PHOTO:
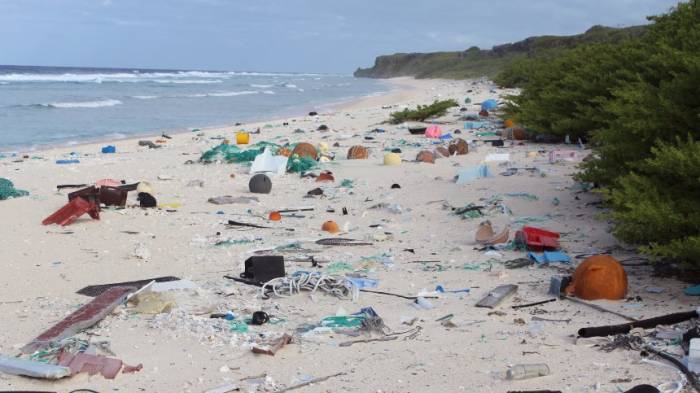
(564, 155)
(91, 364)
(108, 183)
(537, 239)
(72, 211)
(433, 132)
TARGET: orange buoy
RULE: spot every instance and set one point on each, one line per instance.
(330, 226)
(599, 277)
(358, 153)
(275, 216)
(519, 134)
(459, 146)
(305, 150)
(426, 156)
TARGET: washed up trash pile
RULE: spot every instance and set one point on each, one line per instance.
(292, 271)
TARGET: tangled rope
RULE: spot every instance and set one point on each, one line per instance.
(337, 286)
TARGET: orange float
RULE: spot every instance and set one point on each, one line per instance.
(459, 146)
(305, 150)
(330, 226)
(599, 277)
(358, 153)
(426, 156)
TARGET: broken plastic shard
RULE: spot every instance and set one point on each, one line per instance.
(83, 318)
(466, 175)
(28, 368)
(152, 302)
(423, 303)
(92, 364)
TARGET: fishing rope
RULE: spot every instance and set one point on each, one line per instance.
(337, 286)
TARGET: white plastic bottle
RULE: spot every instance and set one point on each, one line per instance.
(527, 371)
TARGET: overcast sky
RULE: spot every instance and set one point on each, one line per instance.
(283, 35)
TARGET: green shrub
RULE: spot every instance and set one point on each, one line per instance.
(422, 112)
(636, 100)
(660, 104)
(657, 205)
(566, 95)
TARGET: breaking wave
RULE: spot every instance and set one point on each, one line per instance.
(189, 81)
(84, 104)
(192, 77)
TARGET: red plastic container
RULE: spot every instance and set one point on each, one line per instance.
(537, 239)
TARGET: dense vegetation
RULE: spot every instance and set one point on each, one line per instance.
(637, 101)
(475, 62)
(422, 112)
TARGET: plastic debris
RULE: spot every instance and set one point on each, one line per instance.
(549, 257)
(8, 190)
(497, 296)
(267, 163)
(28, 368)
(83, 318)
(466, 175)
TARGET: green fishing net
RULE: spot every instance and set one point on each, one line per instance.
(233, 154)
(300, 164)
(8, 190)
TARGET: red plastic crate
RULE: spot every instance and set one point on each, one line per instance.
(72, 210)
(537, 239)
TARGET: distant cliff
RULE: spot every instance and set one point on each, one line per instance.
(475, 62)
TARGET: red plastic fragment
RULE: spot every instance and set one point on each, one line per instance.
(72, 211)
(83, 318)
(91, 364)
(132, 369)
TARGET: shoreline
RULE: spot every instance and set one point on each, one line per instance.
(395, 85)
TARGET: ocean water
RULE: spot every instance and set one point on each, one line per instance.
(58, 106)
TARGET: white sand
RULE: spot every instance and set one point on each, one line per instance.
(43, 266)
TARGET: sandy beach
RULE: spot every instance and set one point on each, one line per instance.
(184, 350)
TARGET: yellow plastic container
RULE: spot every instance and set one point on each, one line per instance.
(242, 138)
(392, 159)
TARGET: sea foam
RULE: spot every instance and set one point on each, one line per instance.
(84, 104)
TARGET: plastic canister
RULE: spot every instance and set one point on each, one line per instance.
(242, 138)
(527, 371)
